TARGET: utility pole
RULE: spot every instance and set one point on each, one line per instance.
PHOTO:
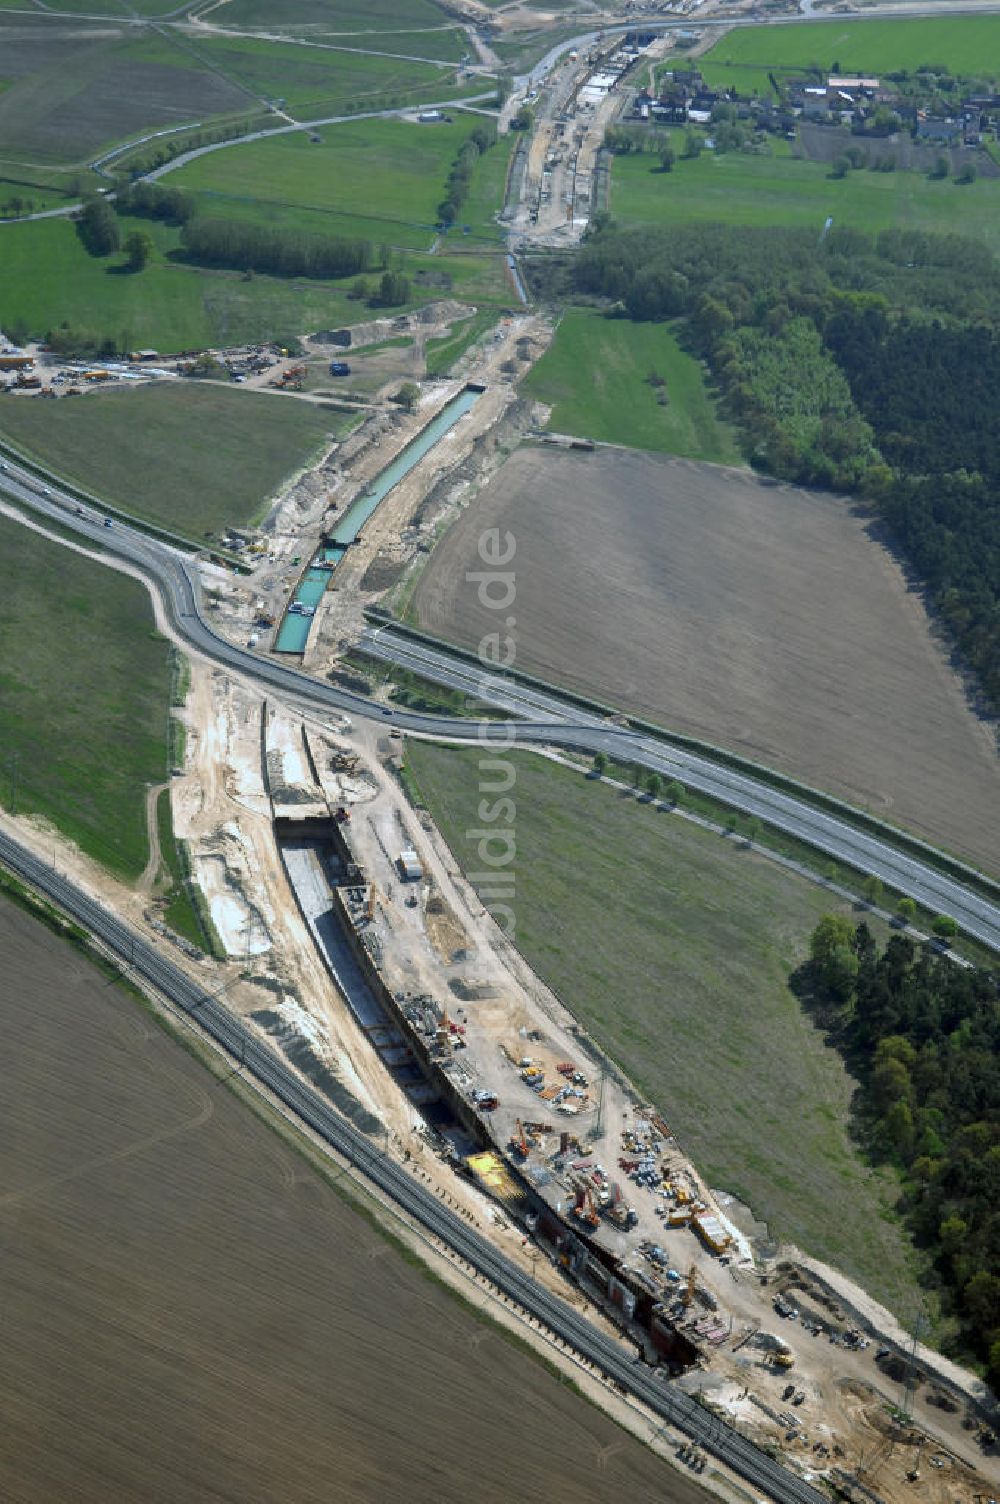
(908, 1368)
(248, 928)
(597, 1127)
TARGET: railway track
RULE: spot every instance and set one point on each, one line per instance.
(646, 1385)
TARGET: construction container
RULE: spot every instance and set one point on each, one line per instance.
(711, 1232)
(409, 866)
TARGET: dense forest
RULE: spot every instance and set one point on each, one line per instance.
(924, 1036)
(864, 363)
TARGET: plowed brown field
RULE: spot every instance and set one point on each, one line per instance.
(759, 616)
(190, 1313)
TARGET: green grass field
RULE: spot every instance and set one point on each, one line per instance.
(84, 699)
(381, 180)
(595, 374)
(331, 15)
(674, 946)
(315, 82)
(113, 9)
(782, 190)
(962, 44)
(49, 280)
(26, 190)
(193, 457)
(442, 44)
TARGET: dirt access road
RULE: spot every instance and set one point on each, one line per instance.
(758, 616)
(165, 1254)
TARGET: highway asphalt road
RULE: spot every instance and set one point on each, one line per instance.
(609, 1356)
(868, 853)
(545, 719)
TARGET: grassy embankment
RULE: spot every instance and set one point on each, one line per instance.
(744, 57)
(674, 947)
(600, 377)
(441, 354)
(209, 457)
(781, 190)
(379, 180)
(84, 704)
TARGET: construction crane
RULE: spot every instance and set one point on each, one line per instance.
(519, 1140)
(871, 1464)
(690, 1288)
(914, 1472)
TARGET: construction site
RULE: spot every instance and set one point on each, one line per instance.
(360, 952)
(368, 961)
(346, 935)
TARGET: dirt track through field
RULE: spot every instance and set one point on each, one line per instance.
(192, 1314)
(758, 616)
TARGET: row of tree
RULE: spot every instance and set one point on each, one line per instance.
(924, 1036)
(460, 173)
(283, 252)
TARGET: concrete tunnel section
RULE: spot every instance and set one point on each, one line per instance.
(337, 902)
(332, 898)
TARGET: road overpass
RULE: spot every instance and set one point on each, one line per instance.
(545, 719)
